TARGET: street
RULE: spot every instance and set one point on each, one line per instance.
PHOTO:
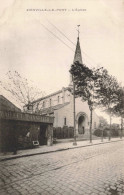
(94, 170)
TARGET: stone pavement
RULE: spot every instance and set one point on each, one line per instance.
(55, 148)
(97, 170)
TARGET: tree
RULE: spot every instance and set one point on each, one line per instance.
(119, 107)
(22, 90)
(85, 80)
(107, 94)
(103, 121)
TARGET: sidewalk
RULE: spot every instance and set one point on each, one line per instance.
(56, 147)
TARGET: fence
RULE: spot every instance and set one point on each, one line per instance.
(63, 133)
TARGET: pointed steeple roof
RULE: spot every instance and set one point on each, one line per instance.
(78, 56)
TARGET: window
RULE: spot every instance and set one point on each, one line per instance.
(65, 121)
(30, 107)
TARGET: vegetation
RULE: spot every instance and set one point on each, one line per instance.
(98, 88)
(107, 94)
(85, 80)
(22, 90)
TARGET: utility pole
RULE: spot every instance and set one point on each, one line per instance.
(74, 143)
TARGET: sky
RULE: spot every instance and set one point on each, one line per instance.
(31, 44)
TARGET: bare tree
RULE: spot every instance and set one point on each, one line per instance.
(23, 91)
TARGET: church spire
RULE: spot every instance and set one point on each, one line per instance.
(78, 56)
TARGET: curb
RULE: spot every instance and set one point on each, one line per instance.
(58, 150)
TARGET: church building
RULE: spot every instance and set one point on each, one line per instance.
(60, 105)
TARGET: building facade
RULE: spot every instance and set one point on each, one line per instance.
(22, 130)
(60, 105)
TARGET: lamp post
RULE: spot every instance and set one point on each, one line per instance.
(74, 143)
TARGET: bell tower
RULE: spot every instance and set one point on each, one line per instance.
(77, 55)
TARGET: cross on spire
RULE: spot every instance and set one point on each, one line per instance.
(78, 30)
(78, 56)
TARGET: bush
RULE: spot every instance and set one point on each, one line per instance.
(98, 133)
(114, 132)
(63, 133)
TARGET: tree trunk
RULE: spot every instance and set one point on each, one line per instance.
(102, 135)
(110, 128)
(91, 115)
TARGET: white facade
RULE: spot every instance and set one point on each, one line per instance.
(60, 105)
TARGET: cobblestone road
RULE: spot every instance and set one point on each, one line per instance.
(95, 170)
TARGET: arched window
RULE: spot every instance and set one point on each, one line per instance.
(65, 122)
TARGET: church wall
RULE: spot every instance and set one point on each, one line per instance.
(59, 98)
(82, 107)
(67, 97)
(67, 112)
(61, 114)
(55, 100)
(45, 103)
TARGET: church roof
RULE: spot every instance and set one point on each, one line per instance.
(52, 108)
(78, 56)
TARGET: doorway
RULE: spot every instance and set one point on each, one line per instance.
(43, 134)
(81, 124)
